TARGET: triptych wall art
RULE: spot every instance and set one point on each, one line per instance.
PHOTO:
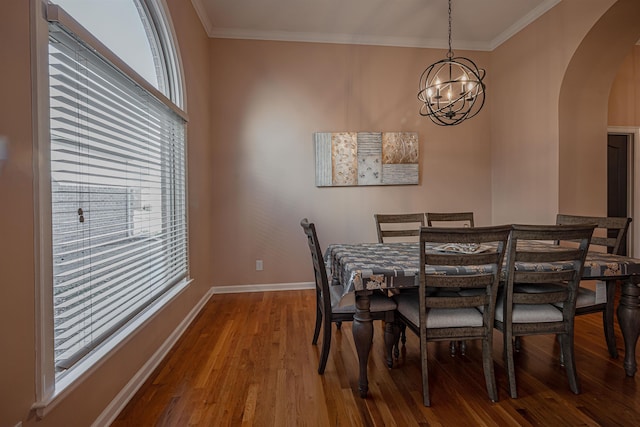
(366, 158)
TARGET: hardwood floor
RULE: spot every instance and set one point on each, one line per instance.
(247, 360)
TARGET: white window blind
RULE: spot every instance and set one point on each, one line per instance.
(118, 188)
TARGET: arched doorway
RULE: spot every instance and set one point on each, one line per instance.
(583, 107)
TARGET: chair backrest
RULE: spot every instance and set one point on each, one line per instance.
(525, 256)
(398, 227)
(320, 272)
(458, 217)
(613, 230)
(480, 270)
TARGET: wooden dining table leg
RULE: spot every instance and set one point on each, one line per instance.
(363, 337)
(629, 319)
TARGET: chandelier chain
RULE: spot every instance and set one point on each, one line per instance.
(450, 54)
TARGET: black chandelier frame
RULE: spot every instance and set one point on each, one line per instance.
(451, 90)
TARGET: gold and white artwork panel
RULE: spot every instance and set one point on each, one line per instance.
(366, 158)
(344, 158)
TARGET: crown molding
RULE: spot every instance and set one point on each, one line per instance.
(522, 23)
(354, 39)
(308, 37)
(201, 11)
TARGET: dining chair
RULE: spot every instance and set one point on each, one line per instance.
(460, 305)
(442, 219)
(398, 227)
(537, 300)
(328, 299)
(463, 218)
(609, 235)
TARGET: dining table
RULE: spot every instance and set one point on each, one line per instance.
(364, 268)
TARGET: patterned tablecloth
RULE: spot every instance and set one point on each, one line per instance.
(395, 265)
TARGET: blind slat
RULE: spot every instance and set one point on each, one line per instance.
(118, 197)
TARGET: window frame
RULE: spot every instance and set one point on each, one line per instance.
(49, 390)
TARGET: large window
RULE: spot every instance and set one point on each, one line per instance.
(117, 181)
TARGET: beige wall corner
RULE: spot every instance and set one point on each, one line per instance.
(529, 70)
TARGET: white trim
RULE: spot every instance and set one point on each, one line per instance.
(169, 40)
(93, 361)
(201, 11)
(634, 183)
(237, 289)
(114, 408)
(363, 39)
(353, 39)
(43, 298)
(522, 23)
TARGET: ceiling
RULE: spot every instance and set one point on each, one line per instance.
(477, 24)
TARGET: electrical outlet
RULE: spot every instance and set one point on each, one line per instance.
(258, 265)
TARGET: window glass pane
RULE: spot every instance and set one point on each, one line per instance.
(119, 26)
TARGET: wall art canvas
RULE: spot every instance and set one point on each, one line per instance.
(366, 158)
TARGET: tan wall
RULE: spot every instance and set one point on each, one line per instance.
(17, 316)
(268, 98)
(17, 261)
(624, 99)
(528, 75)
(624, 111)
(583, 108)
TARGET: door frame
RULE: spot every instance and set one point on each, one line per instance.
(633, 184)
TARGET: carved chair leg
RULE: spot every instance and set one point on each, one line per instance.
(517, 345)
(454, 345)
(559, 338)
(425, 372)
(389, 341)
(326, 345)
(403, 334)
(608, 320)
(489, 374)
(570, 363)
(316, 331)
(397, 327)
(508, 359)
(400, 337)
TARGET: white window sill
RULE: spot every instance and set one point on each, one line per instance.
(69, 381)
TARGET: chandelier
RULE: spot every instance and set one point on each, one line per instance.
(451, 90)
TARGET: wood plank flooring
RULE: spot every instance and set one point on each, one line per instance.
(247, 360)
